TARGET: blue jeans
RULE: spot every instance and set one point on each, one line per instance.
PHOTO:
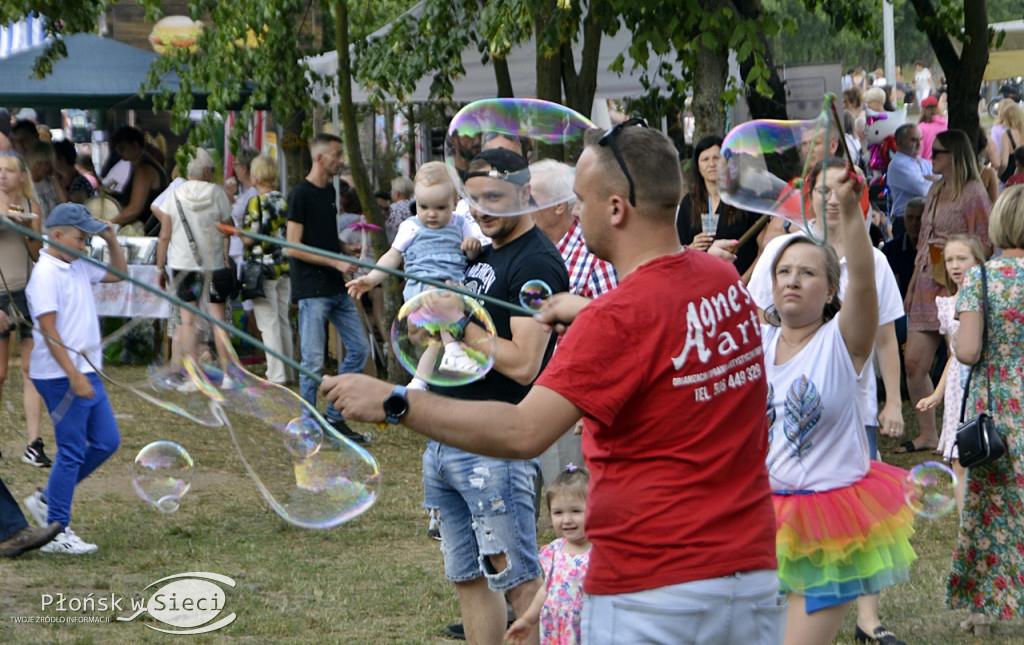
(86, 435)
(485, 507)
(12, 519)
(740, 609)
(341, 312)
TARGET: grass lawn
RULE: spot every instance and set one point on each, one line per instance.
(377, 579)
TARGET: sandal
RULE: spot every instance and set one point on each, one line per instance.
(908, 446)
(980, 624)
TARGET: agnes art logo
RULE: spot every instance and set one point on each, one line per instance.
(190, 603)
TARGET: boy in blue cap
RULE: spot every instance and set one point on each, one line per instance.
(65, 358)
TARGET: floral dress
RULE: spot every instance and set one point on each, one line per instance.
(954, 393)
(560, 616)
(988, 563)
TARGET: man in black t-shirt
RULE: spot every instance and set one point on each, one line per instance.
(485, 505)
(318, 285)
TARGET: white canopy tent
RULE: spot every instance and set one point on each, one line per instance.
(1008, 60)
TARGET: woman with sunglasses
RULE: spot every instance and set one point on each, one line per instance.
(957, 203)
(705, 222)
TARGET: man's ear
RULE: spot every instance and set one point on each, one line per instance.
(617, 205)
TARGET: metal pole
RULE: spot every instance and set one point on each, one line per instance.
(889, 41)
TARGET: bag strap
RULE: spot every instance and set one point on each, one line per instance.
(188, 231)
(984, 343)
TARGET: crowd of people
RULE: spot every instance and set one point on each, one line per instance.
(764, 512)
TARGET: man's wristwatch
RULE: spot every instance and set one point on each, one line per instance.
(396, 405)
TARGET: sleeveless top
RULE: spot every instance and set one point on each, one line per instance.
(150, 224)
(15, 261)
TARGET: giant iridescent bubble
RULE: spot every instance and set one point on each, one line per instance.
(310, 475)
(765, 165)
(444, 338)
(530, 128)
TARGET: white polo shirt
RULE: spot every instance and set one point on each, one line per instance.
(56, 286)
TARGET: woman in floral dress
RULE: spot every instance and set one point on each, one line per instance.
(988, 564)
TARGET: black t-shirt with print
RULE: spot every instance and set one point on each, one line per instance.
(501, 273)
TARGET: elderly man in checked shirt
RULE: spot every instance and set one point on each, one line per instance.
(589, 277)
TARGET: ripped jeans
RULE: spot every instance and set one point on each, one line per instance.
(485, 507)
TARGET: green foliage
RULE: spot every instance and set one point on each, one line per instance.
(666, 42)
(854, 29)
(75, 16)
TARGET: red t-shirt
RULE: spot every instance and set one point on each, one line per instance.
(668, 371)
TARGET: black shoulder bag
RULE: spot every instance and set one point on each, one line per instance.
(977, 440)
(253, 271)
(1011, 164)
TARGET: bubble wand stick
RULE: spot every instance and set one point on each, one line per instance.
(231, 329)
(231, 230)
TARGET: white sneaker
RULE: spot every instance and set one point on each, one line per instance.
(187, 387)
(37, 507)
(69, 543)
(457, 362)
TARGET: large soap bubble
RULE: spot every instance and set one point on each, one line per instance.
(444, 338)
(765, 164)
(310, 475)
(498, 184)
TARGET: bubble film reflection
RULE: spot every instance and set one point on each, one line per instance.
(162, 474)
(929, 489)
(444, 338)
(309, 474)
(526, 127)
(764, 165)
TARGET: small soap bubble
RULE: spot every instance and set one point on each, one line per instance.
(929, 489)
(527, 127)
(303, 437)
(444, 338)
(162, 474)
(533, 294)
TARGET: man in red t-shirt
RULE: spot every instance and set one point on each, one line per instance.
(666, 371)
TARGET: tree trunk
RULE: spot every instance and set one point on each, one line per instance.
(355, 161)
(709, 75)
(502, 76)
(580, 87)
(965, 70)
(763, 107)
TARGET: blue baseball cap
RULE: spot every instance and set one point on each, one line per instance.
(76, 215)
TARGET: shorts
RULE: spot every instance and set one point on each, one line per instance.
(24, 329)
(485, 507)
(190, 285)
(740, 609)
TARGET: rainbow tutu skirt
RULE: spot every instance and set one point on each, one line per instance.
(848, 541)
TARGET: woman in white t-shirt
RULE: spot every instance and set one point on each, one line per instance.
(838, 513)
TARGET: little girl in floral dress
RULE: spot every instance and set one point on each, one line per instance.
(960, 254)
(559, 603)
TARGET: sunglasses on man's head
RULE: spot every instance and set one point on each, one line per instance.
(608, 140)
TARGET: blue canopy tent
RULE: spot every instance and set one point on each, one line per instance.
(97, 73)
